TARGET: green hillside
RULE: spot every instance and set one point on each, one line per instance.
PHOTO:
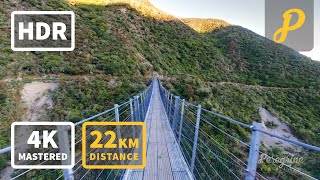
(261, 61)
(119, 45)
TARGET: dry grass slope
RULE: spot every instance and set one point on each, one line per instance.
(144, 7)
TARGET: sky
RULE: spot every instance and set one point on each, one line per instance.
(246, 13)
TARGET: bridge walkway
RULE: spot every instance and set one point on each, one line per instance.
(164, 158)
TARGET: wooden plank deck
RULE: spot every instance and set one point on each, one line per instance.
(164, 158)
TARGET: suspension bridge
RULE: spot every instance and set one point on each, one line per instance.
(184, 141)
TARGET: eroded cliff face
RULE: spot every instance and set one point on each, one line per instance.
(36, 100)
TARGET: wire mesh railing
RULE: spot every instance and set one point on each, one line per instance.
(132, 110)
(218, 147)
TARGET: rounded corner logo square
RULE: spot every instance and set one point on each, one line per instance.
(111, 130)
(42, 30)
(41, 137)
(291, 23)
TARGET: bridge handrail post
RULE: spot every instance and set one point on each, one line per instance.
(136, 107)
(64, 146)
(167, 101)
(146, 99)
(131, 110)
(142, 106)
(150, 92)
(166, 98)
(175, 113)
(131, 116)
(181, 120)
(195, 140)
(170, 106)
(116, 112)
(254, 151)
(149, 98)
(143, 98)
(163, 97)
